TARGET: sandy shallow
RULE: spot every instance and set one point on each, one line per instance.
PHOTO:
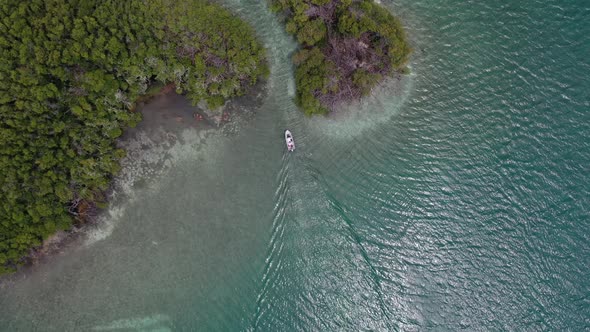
(167, 119)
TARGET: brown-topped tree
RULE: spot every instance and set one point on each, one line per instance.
(347, 48)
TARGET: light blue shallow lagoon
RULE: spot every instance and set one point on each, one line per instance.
(456, 198)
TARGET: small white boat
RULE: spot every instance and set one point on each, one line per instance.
(289, 140)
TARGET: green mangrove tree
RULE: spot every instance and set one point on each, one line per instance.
(347, 48)
(70, 73)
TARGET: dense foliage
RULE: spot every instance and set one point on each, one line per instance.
(347, 47)
(70, 72)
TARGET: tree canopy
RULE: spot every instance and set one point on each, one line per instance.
(347, 48)
(70, 73)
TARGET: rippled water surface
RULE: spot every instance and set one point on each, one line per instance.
(457, 198)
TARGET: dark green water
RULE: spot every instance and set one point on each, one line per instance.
(461, 202)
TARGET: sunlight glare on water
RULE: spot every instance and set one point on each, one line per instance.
(456, 198)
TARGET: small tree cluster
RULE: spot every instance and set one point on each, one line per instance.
(355, 44)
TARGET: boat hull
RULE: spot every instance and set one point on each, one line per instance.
(289, 140)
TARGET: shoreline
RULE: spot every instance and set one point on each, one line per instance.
(60, 132)
(166, 117)
(345, 50)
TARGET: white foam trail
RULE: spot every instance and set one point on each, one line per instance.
(107, 224)
(149, 158)
(151, 153)
(352, 120)
(291, 88)
(151, 323)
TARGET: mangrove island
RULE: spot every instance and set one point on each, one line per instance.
(70, 74)
(347, 48)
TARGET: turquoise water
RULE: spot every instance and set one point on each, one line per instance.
(460, 202)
